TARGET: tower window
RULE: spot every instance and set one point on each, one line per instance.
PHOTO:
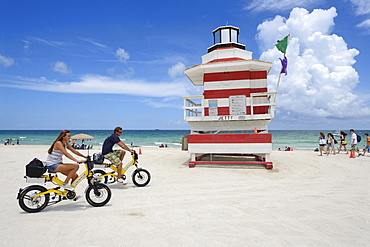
(225, 34)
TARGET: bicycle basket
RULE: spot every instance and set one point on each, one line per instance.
(90, 164)
(98, 158)
(35, 168)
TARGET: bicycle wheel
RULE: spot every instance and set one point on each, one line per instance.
(97, 173)
(140, 177)
(98, 197)
(26, 196)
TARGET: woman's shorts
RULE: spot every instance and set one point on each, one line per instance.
(114, 157)
(322, 145)
(53, 167)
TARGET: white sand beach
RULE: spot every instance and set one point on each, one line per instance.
(306, 200)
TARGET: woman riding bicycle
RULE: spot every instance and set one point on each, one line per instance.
(54, 161)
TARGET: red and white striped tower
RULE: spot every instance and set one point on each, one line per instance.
(232, 115)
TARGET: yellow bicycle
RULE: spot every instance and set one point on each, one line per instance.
(140, 176)
(35, 198)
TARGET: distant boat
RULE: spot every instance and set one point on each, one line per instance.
(336, 133)
(156, 129)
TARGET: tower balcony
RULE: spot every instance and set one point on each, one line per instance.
(203, 116)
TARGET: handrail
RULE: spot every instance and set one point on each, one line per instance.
(196, 109)
(192, 108)
(270, 101)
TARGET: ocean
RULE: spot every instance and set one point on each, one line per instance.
(297, 139)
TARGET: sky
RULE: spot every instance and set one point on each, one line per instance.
(101, 64)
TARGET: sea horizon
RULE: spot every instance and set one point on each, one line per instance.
(297, 139)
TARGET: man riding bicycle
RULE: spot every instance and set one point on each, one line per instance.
(117, 155)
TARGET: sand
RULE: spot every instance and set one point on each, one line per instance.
(306, 200)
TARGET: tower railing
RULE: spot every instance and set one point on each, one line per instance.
(258, 99)
(194, 107)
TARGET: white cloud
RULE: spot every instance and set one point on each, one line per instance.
(301, 23)
(320, 78)
(122, 55)
(91, 41)
(105, 85)
(26, 45)
(6, 61)
(362, 6)
(364, 24)
(156, 104)
(263, 5)
(61, 67)
(47, 42)
(176, 70)
(122, 73)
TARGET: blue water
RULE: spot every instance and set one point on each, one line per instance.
(135, 137)
(298, 139)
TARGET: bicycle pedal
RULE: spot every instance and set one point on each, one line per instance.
(77, 197)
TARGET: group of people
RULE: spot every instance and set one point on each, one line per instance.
(54, 161)
(327, 145)
(82, 146)
(286, 149)
(9, 141)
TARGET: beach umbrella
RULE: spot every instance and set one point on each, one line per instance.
(82, 136)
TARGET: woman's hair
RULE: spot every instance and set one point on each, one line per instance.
(330, 134)
(343, 133)
(322, 135)
(62, 134)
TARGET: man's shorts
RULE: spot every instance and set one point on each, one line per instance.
(114, 157)
(353, 146)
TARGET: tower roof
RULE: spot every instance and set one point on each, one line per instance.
(226, 37)
(225, 55)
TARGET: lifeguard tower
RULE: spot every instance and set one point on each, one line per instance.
(229, 122)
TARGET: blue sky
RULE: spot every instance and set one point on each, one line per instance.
(100, 64)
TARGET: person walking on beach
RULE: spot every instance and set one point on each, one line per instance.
(322, 142)
(115, 156)
(343, 142)
(367, 147)
(353, 141)
(54, 161)
(330, 147)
